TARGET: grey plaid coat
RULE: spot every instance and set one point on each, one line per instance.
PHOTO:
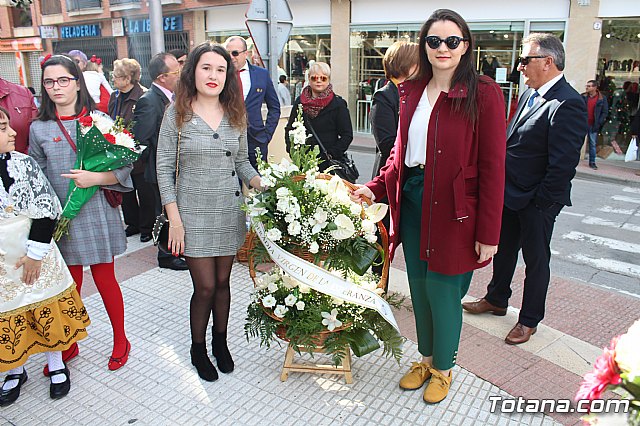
(208, 194)
(96, 234)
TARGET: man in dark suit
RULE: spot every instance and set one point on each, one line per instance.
(164, 70)
(257, 89)
(543, 149)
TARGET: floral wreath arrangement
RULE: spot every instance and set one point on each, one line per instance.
(102, 145)
(617, 368)
(306, 220)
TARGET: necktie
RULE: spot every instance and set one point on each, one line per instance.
(532, 98)
(240, 83)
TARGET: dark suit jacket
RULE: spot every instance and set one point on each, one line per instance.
(543, 148)
(635, 124)
(125, 110)
(262, 91)
(384, 120)
(148, 118)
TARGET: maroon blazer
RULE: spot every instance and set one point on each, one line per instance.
(463, 179)
(22, 109)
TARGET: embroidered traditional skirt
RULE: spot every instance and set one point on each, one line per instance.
(46, 316)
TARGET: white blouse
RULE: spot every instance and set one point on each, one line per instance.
(417, 143)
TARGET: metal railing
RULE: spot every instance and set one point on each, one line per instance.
(73, 5)
(121, 2)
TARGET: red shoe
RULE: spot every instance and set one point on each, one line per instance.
(116, 363)
(67, 355)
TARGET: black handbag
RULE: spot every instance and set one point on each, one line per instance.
(345, 166)
(160, 231)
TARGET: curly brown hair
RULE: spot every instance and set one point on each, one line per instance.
(231, 97)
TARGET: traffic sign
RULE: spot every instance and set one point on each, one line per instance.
(259, 31)
(258, 9)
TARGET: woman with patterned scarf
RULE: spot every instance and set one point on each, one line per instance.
(40, 308)
(324, 112)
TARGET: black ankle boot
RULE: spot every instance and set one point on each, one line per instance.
(221, 352)
(201, 361)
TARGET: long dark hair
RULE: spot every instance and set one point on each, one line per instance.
(84, 100)
(465, 72)
(231, 96)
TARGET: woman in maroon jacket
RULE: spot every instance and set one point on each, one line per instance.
(445, 185)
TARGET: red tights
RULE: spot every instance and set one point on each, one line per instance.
(105, 279)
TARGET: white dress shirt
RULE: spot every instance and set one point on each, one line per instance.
(417, 143)
(245, 77)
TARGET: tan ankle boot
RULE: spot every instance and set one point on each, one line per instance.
(417, 375)
(438, 387)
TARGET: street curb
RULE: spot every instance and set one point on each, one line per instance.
(605, 178)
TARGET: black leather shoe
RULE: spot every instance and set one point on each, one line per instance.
(59, 390)
(175, 263)
(8, 397)
(131, 230)
(144, 238)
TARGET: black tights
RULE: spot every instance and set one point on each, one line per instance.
(211, 294)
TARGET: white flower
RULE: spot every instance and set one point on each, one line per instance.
(272, 287)
(294, 228)
(628, 351)
(269, 301)
(289, 218)
(368, 226)
(304, 288)
(283, 192)
(300, 305)
(274, 234)
(376, 212)
(125, 140)
(320, 215)
(371, 238)
(290, 282)
(280, 311)
(290, 300)
(268, 180)
(355, 209)
(314, 247)
(331, 319)
(103, 122)
(346, 228)
(309, 180)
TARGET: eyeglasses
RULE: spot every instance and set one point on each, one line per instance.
(236, 53)
(321, 78)
(524, 60)
(172, 72)
(118, 76)
(48, 83)
(452, 42)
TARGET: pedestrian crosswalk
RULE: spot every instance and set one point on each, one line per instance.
(602, 232)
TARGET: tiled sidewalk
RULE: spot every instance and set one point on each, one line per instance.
(159, 386)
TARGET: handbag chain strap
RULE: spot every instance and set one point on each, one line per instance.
(315, 135)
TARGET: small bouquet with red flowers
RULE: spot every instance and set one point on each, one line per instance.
(617, 368)
(102, 146)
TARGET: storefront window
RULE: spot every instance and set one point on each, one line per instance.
(618, 78)
(497, 46)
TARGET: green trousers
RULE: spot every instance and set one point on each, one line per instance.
(436, 297)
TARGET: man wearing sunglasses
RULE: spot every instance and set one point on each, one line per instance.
(544, 139)
(257, 88)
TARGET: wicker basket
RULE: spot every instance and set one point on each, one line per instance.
(252, 240)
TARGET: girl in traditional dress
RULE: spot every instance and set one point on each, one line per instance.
(96, 234)
(40, 308)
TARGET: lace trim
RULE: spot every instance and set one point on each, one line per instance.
(39, 304)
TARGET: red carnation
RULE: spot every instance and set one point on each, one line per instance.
(86, 121)
(126, 132)
(110, 138)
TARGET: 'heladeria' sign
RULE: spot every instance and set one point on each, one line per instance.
(78, 31)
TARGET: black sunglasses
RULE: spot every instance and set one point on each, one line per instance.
(452, 42)
(524, 60)
(236, 53)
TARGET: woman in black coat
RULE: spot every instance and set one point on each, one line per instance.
(400, 62)
(325, 112)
